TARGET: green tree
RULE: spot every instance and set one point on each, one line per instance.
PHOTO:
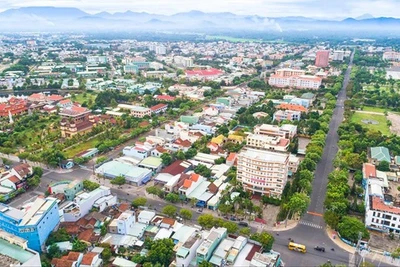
(154, 190)
(166, 159)
(161, 252)
(89, 185)
(203, 170)
(119, 180)
(231, 227)
(298, 203)
(169, 210)
(190, 153)
(186, 214)
(37, 171)
(331, 219)
(245, 231)
(79, 246)
(266, 240)
(350, 227)
(383, 166)
(33, 181)
(395, 253)
(54, 251)
(140, 201)
(106, 254)
(60, 235)
(172, 197)
(205, 264)
(206, 220)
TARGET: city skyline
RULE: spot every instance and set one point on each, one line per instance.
(265, 8)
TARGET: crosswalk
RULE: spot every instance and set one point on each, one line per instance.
(314, 225)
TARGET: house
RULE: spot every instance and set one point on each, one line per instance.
(164, 98)
(91, 259)
(281, 115)
(183, 145)
(65, 103)
(210, 111)
(219, 140)
(152, 163)
(292, 107)
(237, 139)
(158, 151)
(139, 151)
(178, 167)
(378, 154)
(231, 160)
(159, 108)
(207, 247)
(146, 216)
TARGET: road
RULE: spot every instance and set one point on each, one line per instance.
(311, 228)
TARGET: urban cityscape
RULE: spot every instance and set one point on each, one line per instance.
(240, 134)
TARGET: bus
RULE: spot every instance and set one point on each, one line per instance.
(297, 247)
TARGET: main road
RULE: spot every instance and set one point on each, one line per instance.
(311, 228)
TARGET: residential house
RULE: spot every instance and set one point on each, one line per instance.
(281, 115)
(379, 154)
(159, 108)
(205, 250)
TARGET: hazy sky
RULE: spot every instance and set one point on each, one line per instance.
(271, 8)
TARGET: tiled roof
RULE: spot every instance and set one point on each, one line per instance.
(158, 106)
(86, 235)
(377, 204)
(88, 258)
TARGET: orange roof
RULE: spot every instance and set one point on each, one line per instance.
(65, 101)
(55, 97)
(194, 177)
(293, 107)
(124, 206)
(369, 170)
(86, 235)
(62, 263)
(187, 183)
(73, 256)
(232, 156)
(283, 142)
(377, 204)
(14, 179)
(88, 258)
(168, 221)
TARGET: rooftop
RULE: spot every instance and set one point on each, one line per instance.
(262, 155)
(15, 252)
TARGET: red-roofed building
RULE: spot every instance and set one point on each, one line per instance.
(190, 184)
(206, 74)
(231, 160)
(165, 98)
(91, 259)
(75, 120)
(178, 167)
(293, 107)
(182, 144)
(14, 106)
(369, 170)
(159, 108)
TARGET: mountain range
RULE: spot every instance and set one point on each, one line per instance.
(73, 19)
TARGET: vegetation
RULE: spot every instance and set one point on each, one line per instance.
(186, 214)
(169, 210)
(60, 235)
(119, 180)
(89, 185)
(140, 201)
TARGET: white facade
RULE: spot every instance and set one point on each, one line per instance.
(338, 55)
(298, 82)
(187, 251)
(285, 131)
(183, 61)
(274, 143)
(125, 221)
(391, 56)
(263, 172)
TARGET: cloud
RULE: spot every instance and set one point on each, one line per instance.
(269, 8)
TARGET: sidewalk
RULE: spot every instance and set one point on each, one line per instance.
(331, 233)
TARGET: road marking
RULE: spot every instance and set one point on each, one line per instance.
(314, 225)
(314, 213)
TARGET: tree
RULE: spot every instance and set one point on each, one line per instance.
(106, 254)
(166, 159)
(54, 251)
(231, 227)
(161, 252)
(172, 197)
(203, 170)
(350, 227)
(245, 231)
(298, 203)
(37, 171)
(89, 185)
(205, 264)
(186, 214)
(140, 201)
(383, 166)
(395, 254)
(33, 181)
(206, 221)
(221, 160)
(180, 155)
(79, 246)
(154, 190)
(190, 153)
(119, 180)
(332, 219)
(60, 235)
(266, 240)
(169, 210)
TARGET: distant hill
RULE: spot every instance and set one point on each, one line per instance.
(59, 19)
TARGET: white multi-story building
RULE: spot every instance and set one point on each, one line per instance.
(298, 82)
(391, 56)
(136, 111)
(185, 62)
(160, 50)
(97, 59)
(275, 143)
(287, 131)
(338, 55)
(125, 222)
(263, 172)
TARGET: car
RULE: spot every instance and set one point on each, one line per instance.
(245, 224)
(199, 210)
(233, 219)
(318, 248)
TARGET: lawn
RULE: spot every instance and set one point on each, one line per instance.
(84, 97)
(76, 149)
(381, 119)
(374, 109)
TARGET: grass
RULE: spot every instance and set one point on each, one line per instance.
(381, 119)
(375, 109)
(72, 151)
(80, 98)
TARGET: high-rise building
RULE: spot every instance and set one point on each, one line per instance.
(322, 59)
(263, 172)
(338, 55)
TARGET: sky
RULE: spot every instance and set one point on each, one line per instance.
(266, 8)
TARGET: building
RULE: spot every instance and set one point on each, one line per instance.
(273, 143)
(125, 221)
(207, 247)
(282, 115)
(133, 174)
(97, 60)
(136, 111)
(13, 106)
(187, 243)
(14, 251)
(159, 108)
(338, 55)
(84, 201)
(160, 50)
(185, 62)
(378, 154)
(131, 68)
(391, 56)
(322, 58)
(269, 259)
(263, 172)
(287, 131)
(292, 107)
(206, 74)
(75, 120)
(33, 223)
(139, 151)
(297, 82)
(15, 178)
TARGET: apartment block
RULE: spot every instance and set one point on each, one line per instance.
(207, 247)
(263, 172)
(289, 115)
(322, 58)
(391, 56)
(136, 111)
(297, 82)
